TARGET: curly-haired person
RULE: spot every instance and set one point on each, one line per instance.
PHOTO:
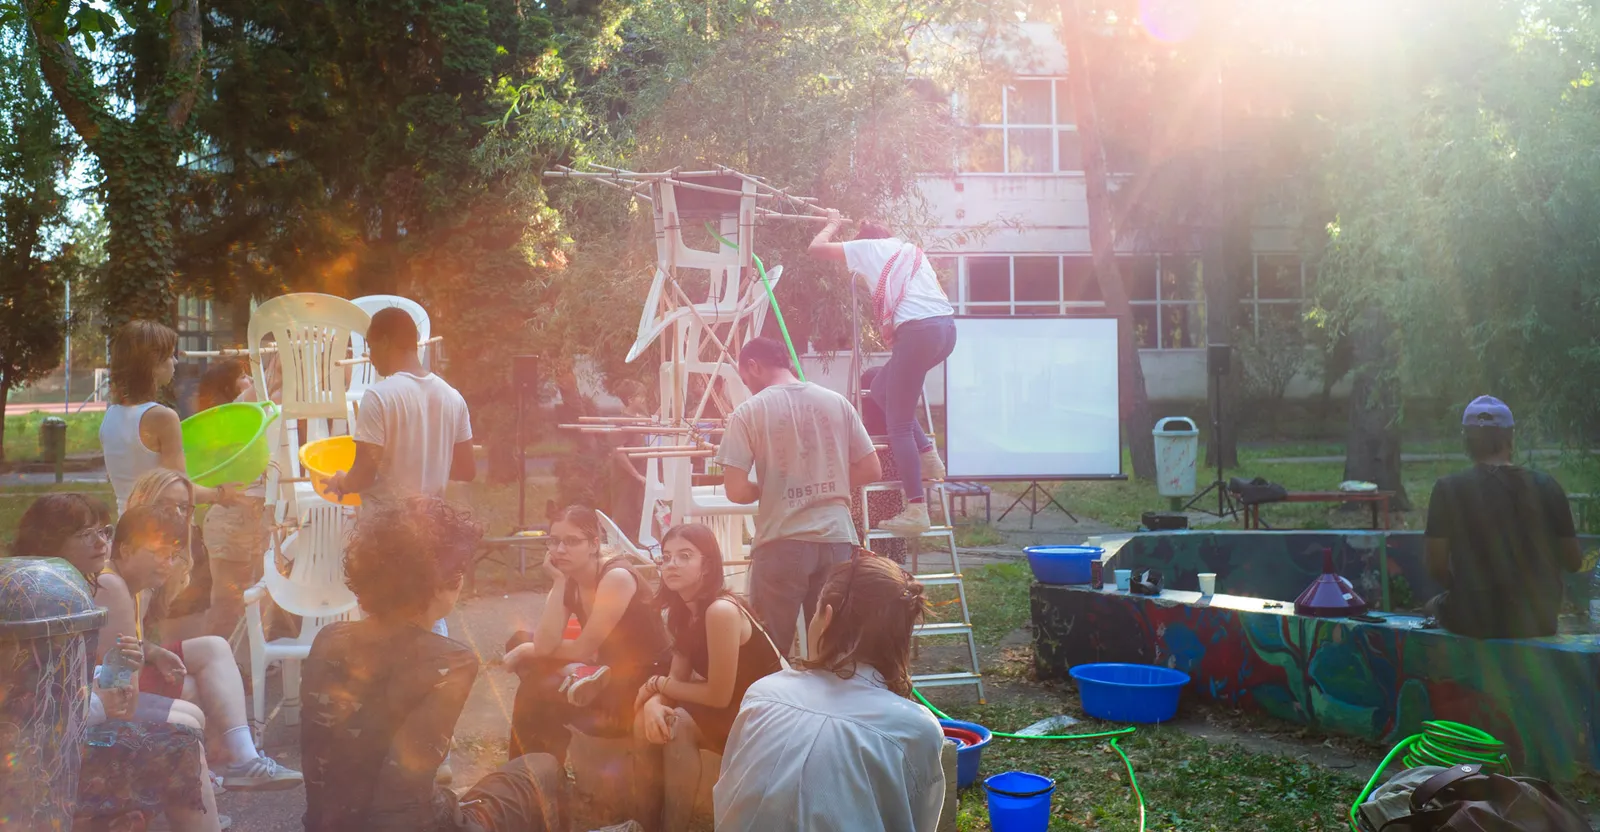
(382, 695)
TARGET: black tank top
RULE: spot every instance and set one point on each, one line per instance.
(757, 658)
(639, 641)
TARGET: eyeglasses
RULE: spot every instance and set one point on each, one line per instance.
(183, 509)
(679, 558)
(102, 532)
(568, 542)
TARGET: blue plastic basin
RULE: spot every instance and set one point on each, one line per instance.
(1062, 564)
(968, 757)
(1129, 692)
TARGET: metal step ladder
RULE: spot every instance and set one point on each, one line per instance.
(951, 577)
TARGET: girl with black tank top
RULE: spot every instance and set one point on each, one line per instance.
(587, 682)
(718, 652)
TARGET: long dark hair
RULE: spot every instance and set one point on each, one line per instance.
(220, 384)
(875, 606)
(683, 613)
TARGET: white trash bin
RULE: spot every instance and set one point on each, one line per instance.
(1177, 450)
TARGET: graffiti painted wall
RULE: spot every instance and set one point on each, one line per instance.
(1279, 565)
(1378, 681)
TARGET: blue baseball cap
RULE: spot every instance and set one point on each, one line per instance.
(1487, 412)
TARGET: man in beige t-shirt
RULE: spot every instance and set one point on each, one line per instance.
(799, 449)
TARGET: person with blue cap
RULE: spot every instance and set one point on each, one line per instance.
(1499, 536)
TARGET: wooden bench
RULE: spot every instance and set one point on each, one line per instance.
(960, 491)
(1379, 500)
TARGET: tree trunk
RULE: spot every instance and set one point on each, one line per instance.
(1372, 453)
(1137, 420)
(138, 208)
(5, 394)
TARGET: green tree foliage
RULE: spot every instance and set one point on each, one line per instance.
(35, 150)
(130, 103)
(1469, 206)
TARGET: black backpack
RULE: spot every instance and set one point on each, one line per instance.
(1465, 798)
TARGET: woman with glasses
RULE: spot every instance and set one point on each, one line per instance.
(129, 766)
(718, 652)
(588, 682)
(839, 744)
(179, 676)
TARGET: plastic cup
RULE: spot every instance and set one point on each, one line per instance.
(1124, 580)
(1019, 801)
(1208, 583)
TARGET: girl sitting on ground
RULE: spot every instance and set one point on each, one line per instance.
(197, 672)
(146, 767)
(718, 651)
(839, 745)
(588, 682)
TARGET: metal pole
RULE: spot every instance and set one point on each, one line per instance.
(66, 400)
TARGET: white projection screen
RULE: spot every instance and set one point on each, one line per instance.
(1033, 399)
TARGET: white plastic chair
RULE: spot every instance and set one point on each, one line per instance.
(364, 375)
(312, 333)
(314, 589)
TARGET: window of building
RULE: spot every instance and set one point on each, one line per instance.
(1024, 126)
(1279, 286)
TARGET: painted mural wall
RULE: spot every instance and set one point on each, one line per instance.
(1377, 681)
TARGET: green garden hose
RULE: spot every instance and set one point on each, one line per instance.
(771, 298)
(1442, 744)
(1111, 739)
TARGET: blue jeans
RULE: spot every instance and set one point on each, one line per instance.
(919, 346)
(786, 576)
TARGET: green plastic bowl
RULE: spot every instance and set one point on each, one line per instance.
(228, 443)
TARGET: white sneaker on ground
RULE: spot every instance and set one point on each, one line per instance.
(584, 684)
(262, 774)
(932, 465)
(909, 523)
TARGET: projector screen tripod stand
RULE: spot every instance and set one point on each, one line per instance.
(1218, 356)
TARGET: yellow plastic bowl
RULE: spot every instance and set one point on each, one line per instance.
(326, 457)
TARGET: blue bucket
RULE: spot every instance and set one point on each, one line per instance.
(968, 757)
(1129, 692)
(1062, 564)
(1019, 801)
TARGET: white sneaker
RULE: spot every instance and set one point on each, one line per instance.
(932, 466)
(909, 523)
(260, 774)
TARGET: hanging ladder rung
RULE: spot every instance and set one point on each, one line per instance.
(935, 680)
(935, 531)
(939, 579)
(957, 628)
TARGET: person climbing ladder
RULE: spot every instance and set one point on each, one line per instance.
(918, 322)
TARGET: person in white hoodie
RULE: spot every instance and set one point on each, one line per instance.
(838, 745)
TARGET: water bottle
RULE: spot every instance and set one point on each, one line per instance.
(115, 670)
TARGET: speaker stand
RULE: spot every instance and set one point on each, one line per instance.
(1035, 490)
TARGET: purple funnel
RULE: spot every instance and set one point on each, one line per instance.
(1330, 595)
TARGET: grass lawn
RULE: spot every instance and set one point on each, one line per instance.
(22, 434)
(1120, 503)
(1188, 783)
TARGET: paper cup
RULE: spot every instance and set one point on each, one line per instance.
(1124, 579)
(1208, 583)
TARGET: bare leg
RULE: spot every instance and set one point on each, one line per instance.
(681, 764)
(196, 820)
(214, 684)
(229, 579)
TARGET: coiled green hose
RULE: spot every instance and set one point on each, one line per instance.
(1442, 744)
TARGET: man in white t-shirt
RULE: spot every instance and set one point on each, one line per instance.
(807, 450)
(413, 433)
(917, 320)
